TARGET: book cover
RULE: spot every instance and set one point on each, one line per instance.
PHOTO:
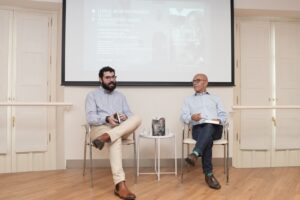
(117, 117)
(211, 121)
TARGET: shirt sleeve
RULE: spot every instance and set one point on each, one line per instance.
(92, 116)
(185, 112)
(222, 114)
(126, 109)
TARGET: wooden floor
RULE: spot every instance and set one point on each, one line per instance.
(263, 183)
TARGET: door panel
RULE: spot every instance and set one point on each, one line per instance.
(256, 132)
(31, 81)
(5, 17)
(5, 53)
(287, 146)
(287, 130)
(256, 127)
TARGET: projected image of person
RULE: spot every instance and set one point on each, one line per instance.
(195, 44)
(102, 105)
(159, 48)
(188, 38)
(197, 109)
(160, 40)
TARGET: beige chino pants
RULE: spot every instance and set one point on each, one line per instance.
(116, 134)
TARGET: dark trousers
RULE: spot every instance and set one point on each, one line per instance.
(205, 134)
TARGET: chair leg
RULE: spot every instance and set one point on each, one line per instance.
(227, 163)
(181, 165)
(84, 155)
(225, 160)
(91, 163)
(135, 164)
(138, 156)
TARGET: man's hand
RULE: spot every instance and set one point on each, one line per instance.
(123, 117)
(196, 117)
(112, 121)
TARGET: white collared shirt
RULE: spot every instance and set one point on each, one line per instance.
(101, 103)
(208, 105)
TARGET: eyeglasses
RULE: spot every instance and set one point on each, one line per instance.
(110, 77)
(197, 81)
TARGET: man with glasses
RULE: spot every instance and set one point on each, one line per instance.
(111, 119)
(206, 113)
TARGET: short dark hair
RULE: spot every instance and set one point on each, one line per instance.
(105, 69)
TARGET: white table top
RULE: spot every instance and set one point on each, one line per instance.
(150, 136)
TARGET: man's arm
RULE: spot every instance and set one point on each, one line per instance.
(126, 110)
(93, 118)
(185, 112)
(222, 114)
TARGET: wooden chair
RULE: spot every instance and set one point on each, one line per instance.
(88, 142)
(187, 140)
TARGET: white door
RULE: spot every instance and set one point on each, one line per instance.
(255, 89)
(5, 53)
(269, 57)
(27, 129)
(287, 145)
(31, 66)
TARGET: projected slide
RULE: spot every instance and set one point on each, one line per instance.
(148, 42)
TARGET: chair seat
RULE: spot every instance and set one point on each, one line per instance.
(221, 141)
(189, 141)
(192, 141)
(127, 141)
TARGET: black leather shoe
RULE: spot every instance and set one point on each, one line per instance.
(191, 159)
(98, 144)
(212, 182)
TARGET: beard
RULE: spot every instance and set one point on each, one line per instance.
(110, 86)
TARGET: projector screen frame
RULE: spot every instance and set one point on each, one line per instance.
(142, 83)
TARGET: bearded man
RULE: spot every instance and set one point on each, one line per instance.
(111, 120)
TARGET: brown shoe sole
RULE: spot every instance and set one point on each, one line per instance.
(125, 198)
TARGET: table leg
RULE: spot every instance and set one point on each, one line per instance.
(158, 159)
(138, 156)
(175, 154)
(155, 156)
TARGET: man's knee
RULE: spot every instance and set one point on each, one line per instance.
(135, 118)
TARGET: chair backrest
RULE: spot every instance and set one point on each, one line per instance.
(87, 128)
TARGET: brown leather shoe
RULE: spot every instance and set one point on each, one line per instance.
(99, 144)
(191, 159)
(123, 192)
(100, 141)
(212, 182)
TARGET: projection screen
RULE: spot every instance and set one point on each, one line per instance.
(148, 42)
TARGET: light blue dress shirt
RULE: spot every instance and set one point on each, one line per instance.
(101, 103)
(208, 105)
